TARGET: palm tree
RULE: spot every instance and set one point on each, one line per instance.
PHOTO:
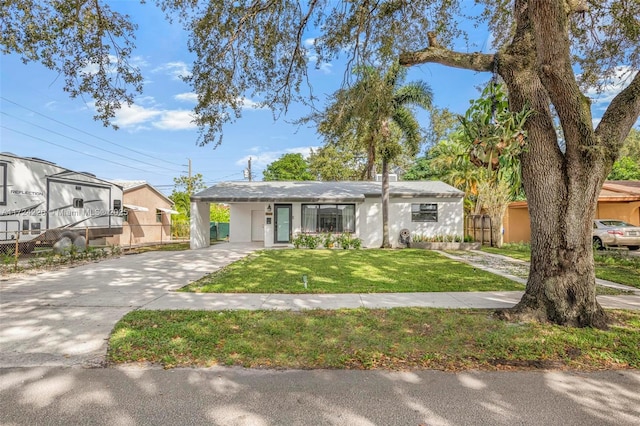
(376, 113)
(408, 133)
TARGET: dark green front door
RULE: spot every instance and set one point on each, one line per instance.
(283, 223)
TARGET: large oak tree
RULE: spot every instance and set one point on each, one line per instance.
(545, 51)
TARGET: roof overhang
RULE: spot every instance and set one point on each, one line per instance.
(136, 208)
(165, 210)
(277, 200)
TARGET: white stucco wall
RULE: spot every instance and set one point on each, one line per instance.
(240, 221)
(450, 219)
(368, 220)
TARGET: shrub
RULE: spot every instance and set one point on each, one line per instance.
(328, 240)
(441, 238)
(345, 240)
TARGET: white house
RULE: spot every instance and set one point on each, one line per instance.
(272, 212)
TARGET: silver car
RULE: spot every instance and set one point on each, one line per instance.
(614, 232)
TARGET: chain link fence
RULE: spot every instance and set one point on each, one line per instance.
(134, 235)
(15, 245)
(18, 246)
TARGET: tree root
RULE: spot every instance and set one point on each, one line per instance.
(597, 319)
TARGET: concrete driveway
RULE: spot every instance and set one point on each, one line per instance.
(64, 317)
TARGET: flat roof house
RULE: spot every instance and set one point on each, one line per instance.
(273, 212)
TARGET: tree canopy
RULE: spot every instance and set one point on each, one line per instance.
(288, 167)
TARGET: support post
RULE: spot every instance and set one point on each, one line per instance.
(199, 226)
(17, 252)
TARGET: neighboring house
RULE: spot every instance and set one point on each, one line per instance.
(617, 200)
(272, 212)
(147, 215)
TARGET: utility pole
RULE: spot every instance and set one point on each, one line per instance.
(247, 171)
(190, 183)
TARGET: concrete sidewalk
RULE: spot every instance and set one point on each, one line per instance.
(452, 300)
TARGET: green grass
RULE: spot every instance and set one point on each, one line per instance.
(611, 265)
(349, 271)
(517, 251)
(161, 247)
(399, 338)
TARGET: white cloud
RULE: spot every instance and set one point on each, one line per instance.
(608, 89)
(250, 104)
(146, 115)
(175, 120)
(304, 150)
(177, 70)
(92, 67)
(193, 98)
(145, 100)
(186, 97)
(138, 61)
(323, 67)
(133, 115)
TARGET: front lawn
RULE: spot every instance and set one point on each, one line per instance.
(611, 265)
(401, 338)
(349, 271)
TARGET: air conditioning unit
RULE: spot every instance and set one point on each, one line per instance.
(392, 177)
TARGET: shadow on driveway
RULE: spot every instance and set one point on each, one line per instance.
(64, 317)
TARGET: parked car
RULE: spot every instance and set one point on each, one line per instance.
(614, 232)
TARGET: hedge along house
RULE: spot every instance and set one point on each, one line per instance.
(274, 212)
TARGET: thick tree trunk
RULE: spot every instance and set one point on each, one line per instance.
(562, 187)
(385, 204)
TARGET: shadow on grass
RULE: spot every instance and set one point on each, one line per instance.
(350, 271)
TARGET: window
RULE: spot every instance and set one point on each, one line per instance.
(424, 212)
(158, 216)
(3, 184)
(328, 218)
(78, 203)
(117, 205)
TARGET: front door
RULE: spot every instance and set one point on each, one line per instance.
(282, 223)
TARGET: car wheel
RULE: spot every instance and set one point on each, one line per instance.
(597, 243)
(633, 248)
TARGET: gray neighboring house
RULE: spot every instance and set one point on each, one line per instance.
(273, 212)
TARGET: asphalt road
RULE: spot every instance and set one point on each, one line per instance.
(233, 396)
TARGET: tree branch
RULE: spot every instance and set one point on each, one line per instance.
(620, 116)
(436, 54)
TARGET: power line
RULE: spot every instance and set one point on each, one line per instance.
(84, 143)
(86, 133)
(73, 150)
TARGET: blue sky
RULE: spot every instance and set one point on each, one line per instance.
(156, 138)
